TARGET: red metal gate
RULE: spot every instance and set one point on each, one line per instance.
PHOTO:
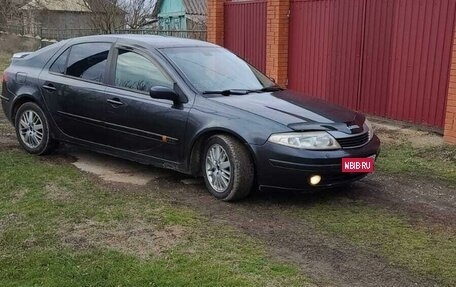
(245, 31)
(325, 49)
(388, 58)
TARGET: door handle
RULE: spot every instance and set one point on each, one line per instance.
(49, 87)
(115, 102)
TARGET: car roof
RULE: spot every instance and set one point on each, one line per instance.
(152, 41)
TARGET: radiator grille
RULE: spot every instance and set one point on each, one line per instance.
(354, 141)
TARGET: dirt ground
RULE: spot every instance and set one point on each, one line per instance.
(399, 133)
(328, 260)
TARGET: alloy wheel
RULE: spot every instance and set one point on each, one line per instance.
(218, 168)
(31, 129)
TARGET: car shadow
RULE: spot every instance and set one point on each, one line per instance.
(169, 179)
(293, 198)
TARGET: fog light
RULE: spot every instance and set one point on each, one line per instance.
(315, 179)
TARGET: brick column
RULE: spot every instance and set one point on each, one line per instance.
(450, 119)
(215, 21)
(277, 40)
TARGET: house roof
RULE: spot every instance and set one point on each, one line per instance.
(70, 6)
(195, 7)
(57, 5)
(192, 7)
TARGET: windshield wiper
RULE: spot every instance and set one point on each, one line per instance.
(274, 88)
(228, 92)
(244, 92)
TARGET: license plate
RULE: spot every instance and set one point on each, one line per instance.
(358, 165)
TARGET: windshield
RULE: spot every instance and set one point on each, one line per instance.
(216, 69)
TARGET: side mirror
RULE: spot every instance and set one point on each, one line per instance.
(159, 92)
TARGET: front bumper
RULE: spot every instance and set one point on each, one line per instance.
(281, 167)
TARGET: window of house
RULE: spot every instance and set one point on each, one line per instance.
(136, 72)
(88, 61)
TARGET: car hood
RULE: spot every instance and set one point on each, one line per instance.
(297, 111)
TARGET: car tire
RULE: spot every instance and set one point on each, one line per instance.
(227, 168)
(33, 130)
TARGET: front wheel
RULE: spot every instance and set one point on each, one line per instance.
(227, 167)
(32, 129)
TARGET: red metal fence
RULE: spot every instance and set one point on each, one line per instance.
(325, 49)
(245, 31)
(388, 58)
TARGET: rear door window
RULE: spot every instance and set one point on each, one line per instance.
(88, 61)
(59, 65)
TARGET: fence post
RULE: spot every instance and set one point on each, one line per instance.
(277, 40)
(450, 117)
(215, 21)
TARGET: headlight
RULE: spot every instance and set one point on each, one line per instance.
(306, 140)
(370, 129)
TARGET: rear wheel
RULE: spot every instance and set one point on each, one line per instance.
(227, 167)
(32, 129)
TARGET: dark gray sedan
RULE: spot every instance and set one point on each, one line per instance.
(185, 105)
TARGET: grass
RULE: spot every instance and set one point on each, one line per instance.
(4, 60)
(431, 162)
(427, 253)
(4, 63)
(57, 228)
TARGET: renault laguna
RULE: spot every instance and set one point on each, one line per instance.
(185, 105)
